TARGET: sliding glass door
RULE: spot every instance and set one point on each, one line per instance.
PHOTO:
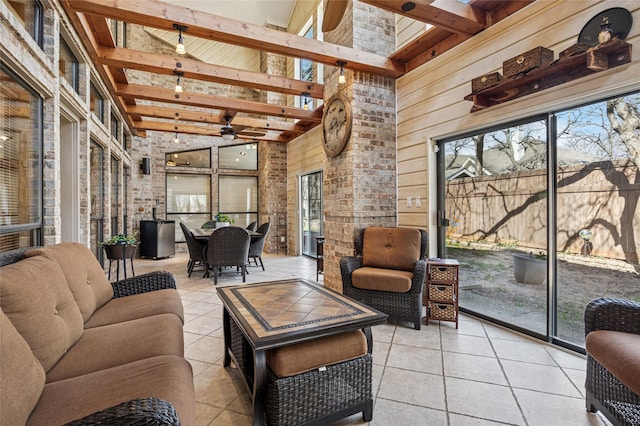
(310, 212)
(544, 216)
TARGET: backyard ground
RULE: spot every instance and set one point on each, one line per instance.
(487, 285)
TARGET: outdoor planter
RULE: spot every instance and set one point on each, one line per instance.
(528, 269)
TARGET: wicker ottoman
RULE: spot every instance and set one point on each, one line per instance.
(319, 381)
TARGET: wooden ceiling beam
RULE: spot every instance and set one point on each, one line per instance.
(163, 64)
(205, 117)
(190, 129)
(216, 102)
(454, 16)
(161, 15)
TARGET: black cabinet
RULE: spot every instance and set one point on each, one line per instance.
(157, 238)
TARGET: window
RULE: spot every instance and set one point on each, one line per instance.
(559, 191)
(240, 157)
(31, 15)
(198, 158)
(188, 200)
(115, 196)
(21, 158)
(238, 198)
(68, 65)
(115, 127)
(304, 69)
(96, 102)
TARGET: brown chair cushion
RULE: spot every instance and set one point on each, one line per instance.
(382, 279)
(85, 277)
(167, 377)
(391, 248)
(619, 353)
(22, 376)
(35, 297)
(137, 306)
(296, 359)
(105, 347)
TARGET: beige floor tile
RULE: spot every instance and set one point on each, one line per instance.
(473, 367)
(416, 359)
(552, 410)
(461, 420)
(411, 387)
(208, 349)
(387, 413)
(526, 351)
(383, 333)
(424, 338)
(567, 359)
(202, 325)
(543, 378)
(577, 377)
(206, 414)
(483, 400)
(473, 345)
(199, 308)
(467, 326)
(380, 352)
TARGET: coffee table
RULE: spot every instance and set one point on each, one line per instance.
(280, 313)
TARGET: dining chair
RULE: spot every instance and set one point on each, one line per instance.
(195, 246)
(227, 246)
(252, 226)
(257, 244)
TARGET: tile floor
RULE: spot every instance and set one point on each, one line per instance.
(479, 374)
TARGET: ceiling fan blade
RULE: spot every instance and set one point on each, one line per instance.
(333, 14)
(250, 133)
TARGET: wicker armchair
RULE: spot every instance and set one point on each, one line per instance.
(227, 246)
(196, 252)
(605, 390)
(388, 272)
(257, 245)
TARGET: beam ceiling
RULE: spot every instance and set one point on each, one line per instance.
(453, 23)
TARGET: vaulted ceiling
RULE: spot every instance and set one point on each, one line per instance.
(453, 23)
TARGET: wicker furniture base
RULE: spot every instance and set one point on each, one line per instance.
(319, 397)
(604, 392)
(608, 395)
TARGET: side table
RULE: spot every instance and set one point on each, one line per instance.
(441, 290)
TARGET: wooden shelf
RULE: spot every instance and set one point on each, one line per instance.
(568, 68)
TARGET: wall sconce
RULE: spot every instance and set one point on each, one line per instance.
(180, 49)
(178, 88)
(176, 140)
(305, 97)
(341, 78)
(146, 166)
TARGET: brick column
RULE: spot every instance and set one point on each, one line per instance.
(360, 183)
(272, 164)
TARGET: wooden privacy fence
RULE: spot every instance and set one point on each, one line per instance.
(512, 208)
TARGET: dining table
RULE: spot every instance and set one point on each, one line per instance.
(204, 234)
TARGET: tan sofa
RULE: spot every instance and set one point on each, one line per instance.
(76, 348)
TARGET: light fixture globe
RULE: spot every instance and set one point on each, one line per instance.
(228, 137)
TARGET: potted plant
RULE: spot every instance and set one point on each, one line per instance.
(120, 246)
(530, 268)
(223, 220)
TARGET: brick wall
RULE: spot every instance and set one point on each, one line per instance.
(360, 183)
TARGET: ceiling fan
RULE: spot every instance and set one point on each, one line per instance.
(333, 14)
(229, 132)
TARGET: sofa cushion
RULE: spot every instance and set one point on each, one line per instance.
(137, 306)
(296, 359)
(85, 277)
(382, 279)
(35, 297)
(167, 377)
(115, 344)
(619, 353)
(391, 248)
(22, 376)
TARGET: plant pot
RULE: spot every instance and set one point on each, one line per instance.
(120, 251)
(529, 270)
(221, 224)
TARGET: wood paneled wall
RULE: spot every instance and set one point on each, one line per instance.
(430, 99)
